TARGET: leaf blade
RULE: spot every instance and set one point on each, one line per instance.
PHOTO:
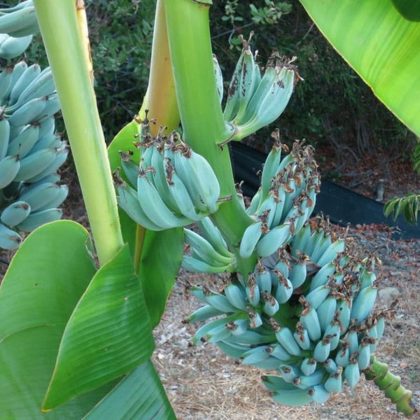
(107, 335)
(140, 392)
(380, 45)
(44, 281)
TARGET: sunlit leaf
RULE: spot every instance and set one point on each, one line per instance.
(139, 395)
(45, 279)
(158, 273)
(107, 335)
(381, 45)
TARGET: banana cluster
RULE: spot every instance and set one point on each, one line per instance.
(30, 152)
(17, 25)
(284, 201)
(171, 187)
(306, 312)
(255, 100)
(208, 252)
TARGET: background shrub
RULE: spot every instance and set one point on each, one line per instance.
(331, 107)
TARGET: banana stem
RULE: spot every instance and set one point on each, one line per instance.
(390, 384)
(199, 106)
(66, 50)
(84, 31)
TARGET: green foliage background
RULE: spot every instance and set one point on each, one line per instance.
(331, 106)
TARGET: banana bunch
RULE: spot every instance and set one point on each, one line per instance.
(171, 187)
(17, 25)
(306, 312)
(30, 152)
(255, 100)
(284, 201)
(209, 251)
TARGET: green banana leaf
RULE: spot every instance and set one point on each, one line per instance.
(107, 335)
(159, 265)
(138, 396)
(124, 141)
(44, 282)
(157, 278)
(381, 45)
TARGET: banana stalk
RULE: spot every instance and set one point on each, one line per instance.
(201, 114)
(390, 384)
(66, 50)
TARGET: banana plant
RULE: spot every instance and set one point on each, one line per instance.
(77, 315)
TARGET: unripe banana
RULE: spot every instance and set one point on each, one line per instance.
(9, 168)
(319, 394)
(247, 83)
(309, 381)
(42, 85)
(285, 338)
(310, 322)
(334, 383)
(6, 78)
(24, 142)
(317, 296)
(128, 201)
(9, 239)
(28, 112)
(154, 207)
(280, 353)
(298, 273)
(250, 239)
(18, 69)
(13, 47)
(308, 366)
(15, 213)
(61, 156)
(363, 359)
(326, 312)
(204, 313)
(352, 373)
(25, 80)
(235, 296)
(330, 253)
(37, 219)
(213, 235)
(322, 350)
(363, 303)
(4, 137)
(204, 250)
(273, 240)
(232, 349)
(18, 19)
(35, 163)
(199, 266)
(180, 196)
(255, 355)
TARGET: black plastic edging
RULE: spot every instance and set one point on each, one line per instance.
(342, 205)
